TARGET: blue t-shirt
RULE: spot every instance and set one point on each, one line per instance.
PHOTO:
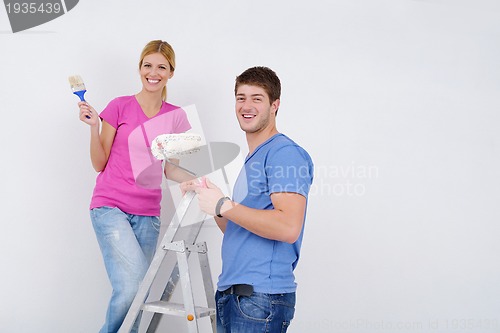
(277, 165)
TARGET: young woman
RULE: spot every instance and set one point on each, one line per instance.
(125, 205)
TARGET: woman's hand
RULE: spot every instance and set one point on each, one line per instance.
(192, 185)
(87, 114)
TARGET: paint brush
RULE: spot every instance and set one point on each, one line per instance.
(78, 87)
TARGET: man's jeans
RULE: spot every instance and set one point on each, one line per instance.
(258, 313)
(127, 243)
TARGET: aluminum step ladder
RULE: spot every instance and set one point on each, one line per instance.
(182, 248)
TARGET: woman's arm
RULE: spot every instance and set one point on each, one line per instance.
(176, 174)
(100, 143)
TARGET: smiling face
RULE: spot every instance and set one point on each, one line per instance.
(255, 112)
(155, 71)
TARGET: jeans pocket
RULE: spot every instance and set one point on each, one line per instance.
(285, 303)
(100, 212)
(156, 223)
(256, 307)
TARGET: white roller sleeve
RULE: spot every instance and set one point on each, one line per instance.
(167, 146)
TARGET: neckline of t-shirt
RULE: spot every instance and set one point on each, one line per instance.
(161, 111)
(263, 144)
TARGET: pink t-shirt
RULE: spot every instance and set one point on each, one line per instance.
(132, 177)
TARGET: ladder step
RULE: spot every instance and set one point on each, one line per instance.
(176, 309)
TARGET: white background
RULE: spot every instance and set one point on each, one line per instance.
(396, 101)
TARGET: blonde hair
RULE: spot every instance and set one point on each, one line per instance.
(164, 48)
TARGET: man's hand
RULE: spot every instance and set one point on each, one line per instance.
(208, 196)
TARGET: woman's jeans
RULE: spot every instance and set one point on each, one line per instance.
(257, 313)
(127, 243)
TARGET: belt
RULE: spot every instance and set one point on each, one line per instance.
(239, 289)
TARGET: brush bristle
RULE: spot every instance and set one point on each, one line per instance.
(76, 83)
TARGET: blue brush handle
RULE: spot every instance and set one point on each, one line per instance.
(80, 94)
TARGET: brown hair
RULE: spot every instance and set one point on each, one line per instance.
(263, 77)
(164, 48)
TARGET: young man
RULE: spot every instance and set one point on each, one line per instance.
(263, 222)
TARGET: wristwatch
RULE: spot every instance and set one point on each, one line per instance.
(219, 205)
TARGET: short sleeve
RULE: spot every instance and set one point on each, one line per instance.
(110, 113)
(181, 121)
(289, 169)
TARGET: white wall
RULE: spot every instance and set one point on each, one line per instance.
(396, 101)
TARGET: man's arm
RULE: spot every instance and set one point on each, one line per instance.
(192, 185)
(221, 223)
(283, 223)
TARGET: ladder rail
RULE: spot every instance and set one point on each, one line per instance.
(173, 279)
(187, 292)
(155, 265)
(180, 272)
(208, 284)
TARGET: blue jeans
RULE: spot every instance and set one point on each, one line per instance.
(258, 313)
(127, 243)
